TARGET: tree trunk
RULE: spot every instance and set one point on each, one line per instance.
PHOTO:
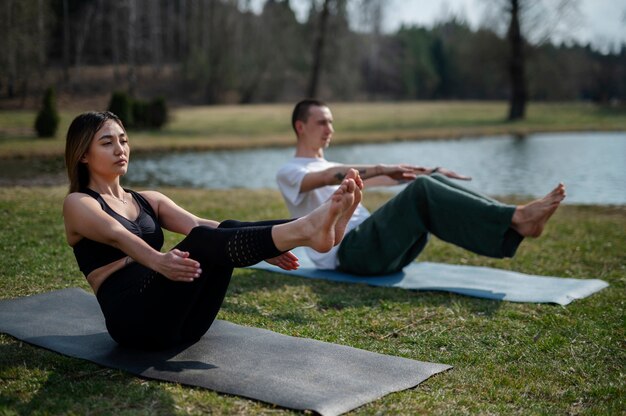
(132, 23)
(81, 38)
(183, 49)
(115, 41)
(517, 101)
(318, 51)
(66, 41)
(156, 31)
(41, 51)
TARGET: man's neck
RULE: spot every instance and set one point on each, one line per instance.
(303, 151)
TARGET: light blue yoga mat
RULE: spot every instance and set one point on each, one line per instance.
(480, 282)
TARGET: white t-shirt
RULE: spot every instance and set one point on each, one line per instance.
(289, 179)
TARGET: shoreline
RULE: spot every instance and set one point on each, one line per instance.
(31, 170)
(155, 145)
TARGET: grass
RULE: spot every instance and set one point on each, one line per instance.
(508, 358)
(231, 127)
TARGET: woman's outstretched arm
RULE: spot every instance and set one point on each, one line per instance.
(84, 218)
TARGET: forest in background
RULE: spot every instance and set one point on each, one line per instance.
(218, 51)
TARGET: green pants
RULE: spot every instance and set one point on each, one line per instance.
(395, 234)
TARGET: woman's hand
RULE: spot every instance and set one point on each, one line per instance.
(177, 266)
(286, 261)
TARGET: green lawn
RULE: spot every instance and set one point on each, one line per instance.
(264, 125)
(508, 358)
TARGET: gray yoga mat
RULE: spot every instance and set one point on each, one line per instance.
(480, 282)
(296, 373)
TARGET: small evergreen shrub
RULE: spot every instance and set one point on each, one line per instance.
(157, 113)
(122, 106)
(139, 114)
(47, 120)
(149, 114)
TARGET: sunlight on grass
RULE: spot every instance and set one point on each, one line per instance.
(508, 358)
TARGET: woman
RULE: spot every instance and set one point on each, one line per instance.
(155, 300)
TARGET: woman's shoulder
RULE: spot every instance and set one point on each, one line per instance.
(151, 200)
(82, 193)
(78, 196)
(149, 195)
(79, 200)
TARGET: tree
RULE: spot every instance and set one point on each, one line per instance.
(48, 118)
(20, 32)
(318, 49)
(519, 95)
(528, 22)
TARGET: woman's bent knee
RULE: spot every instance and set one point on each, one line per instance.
(201, 231)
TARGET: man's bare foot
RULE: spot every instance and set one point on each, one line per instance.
(529, 220)
(342, 222)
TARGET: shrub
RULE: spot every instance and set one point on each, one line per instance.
(139, 114)
(157, 113)
(48, 118)
(149, 114)
(122, 106)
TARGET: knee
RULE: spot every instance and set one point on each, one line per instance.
(421, 184)
(199, 236)
(230, 224)
(201, 231)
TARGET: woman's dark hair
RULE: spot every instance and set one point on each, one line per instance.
(79, 136)
(301, 111)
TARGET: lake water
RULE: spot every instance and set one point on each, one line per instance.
(592, 165)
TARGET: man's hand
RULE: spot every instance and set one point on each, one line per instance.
(403, 173)
(286, 261)
(451, 174)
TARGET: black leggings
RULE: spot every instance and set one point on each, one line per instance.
(144, 309)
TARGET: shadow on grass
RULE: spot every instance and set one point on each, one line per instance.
(55, 384)
(338, 296)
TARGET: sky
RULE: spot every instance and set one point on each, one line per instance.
(601, 22)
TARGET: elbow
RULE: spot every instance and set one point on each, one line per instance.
(117, 237)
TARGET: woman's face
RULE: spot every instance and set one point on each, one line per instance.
(108, 153)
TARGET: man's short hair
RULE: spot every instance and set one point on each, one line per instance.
(301, 111)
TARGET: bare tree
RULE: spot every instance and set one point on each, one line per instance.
(528, 22)
(132, 39)
(372, 16)
(318, 49)
(19, 36)
(519, 95)
(66, 40)
(115, 39)
(156, 32)
(41, 34)
(83, 27)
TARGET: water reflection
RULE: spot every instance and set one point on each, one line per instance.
(593, 165)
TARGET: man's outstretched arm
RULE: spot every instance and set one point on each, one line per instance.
(372, 175)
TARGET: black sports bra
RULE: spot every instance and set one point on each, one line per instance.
(91, 255)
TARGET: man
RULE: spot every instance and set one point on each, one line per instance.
(394, 235)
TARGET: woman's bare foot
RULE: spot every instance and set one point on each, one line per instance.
(529, 220)
(342, 222)
(317, 229)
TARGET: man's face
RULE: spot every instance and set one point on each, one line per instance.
(318, 129)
